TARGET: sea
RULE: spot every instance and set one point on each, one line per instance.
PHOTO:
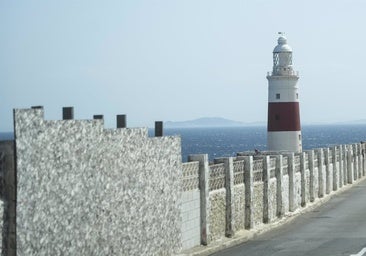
(227, 141)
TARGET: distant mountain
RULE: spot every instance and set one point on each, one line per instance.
(206, 122)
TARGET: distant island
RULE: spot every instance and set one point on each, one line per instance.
(208, 122)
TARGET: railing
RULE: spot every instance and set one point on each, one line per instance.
(190, 176)
(258, 170)
(217, 176)
(238, 172)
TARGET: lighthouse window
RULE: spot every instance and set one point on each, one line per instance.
(297, 95)
(278, 96)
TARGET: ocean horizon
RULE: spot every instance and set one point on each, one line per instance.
(227, 141)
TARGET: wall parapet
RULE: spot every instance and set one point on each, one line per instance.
(278, 183)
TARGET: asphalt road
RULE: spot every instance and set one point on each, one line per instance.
(336, 228)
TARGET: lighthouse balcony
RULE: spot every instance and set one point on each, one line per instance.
(283, 72)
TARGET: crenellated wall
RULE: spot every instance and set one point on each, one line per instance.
(86, 190)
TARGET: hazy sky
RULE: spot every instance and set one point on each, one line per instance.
(179, 60)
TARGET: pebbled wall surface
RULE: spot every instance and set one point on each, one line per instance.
(239, 207)
(272, 198)
(217, 214)
(257, 203)
(85, 190)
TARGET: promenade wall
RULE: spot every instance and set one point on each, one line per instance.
(81, 189)
(251, 190)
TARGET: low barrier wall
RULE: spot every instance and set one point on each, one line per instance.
(81, 189)
(251, 190)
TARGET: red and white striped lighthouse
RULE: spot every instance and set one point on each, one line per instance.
(283, 128)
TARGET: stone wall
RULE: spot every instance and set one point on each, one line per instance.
(86, 190)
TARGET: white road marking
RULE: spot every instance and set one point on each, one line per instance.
(361, 253)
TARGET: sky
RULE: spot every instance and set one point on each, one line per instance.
(173, 60)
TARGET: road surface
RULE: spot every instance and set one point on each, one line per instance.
(336, 228)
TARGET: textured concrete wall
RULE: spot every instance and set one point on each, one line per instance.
(239, 207)
(272, 207)
(217, 214)
(258, 203)
(190, 210)
(85, 190)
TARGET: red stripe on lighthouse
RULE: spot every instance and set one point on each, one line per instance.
(283, 116)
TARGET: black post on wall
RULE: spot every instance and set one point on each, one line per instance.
(121, 121)
(67, 113)
(98, 117)
(37, 107)
(158, 128)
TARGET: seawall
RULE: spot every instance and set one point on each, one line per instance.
(72, 187)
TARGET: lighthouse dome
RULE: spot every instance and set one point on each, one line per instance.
(282, 45)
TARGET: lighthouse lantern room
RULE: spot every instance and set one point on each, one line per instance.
(283, 128)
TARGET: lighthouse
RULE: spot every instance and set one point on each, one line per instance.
(283, 127)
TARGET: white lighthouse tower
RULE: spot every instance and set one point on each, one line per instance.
(283, 128)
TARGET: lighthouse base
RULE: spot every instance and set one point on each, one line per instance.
(284, 141)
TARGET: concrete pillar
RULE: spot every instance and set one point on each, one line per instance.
(303, 179)
(355, 162)
(359, 154)
(229, 186)
(327, 170)
(345, 164)
(279, 177)
(350, 164)
(121, 121)
(248, 179)
(335, 169)
(67, 113)
(158, 128)
(363, 151)
(311, 170)
(291, 184)
(341, 164)
(266, 189)
(204, 194)
(320, 155)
